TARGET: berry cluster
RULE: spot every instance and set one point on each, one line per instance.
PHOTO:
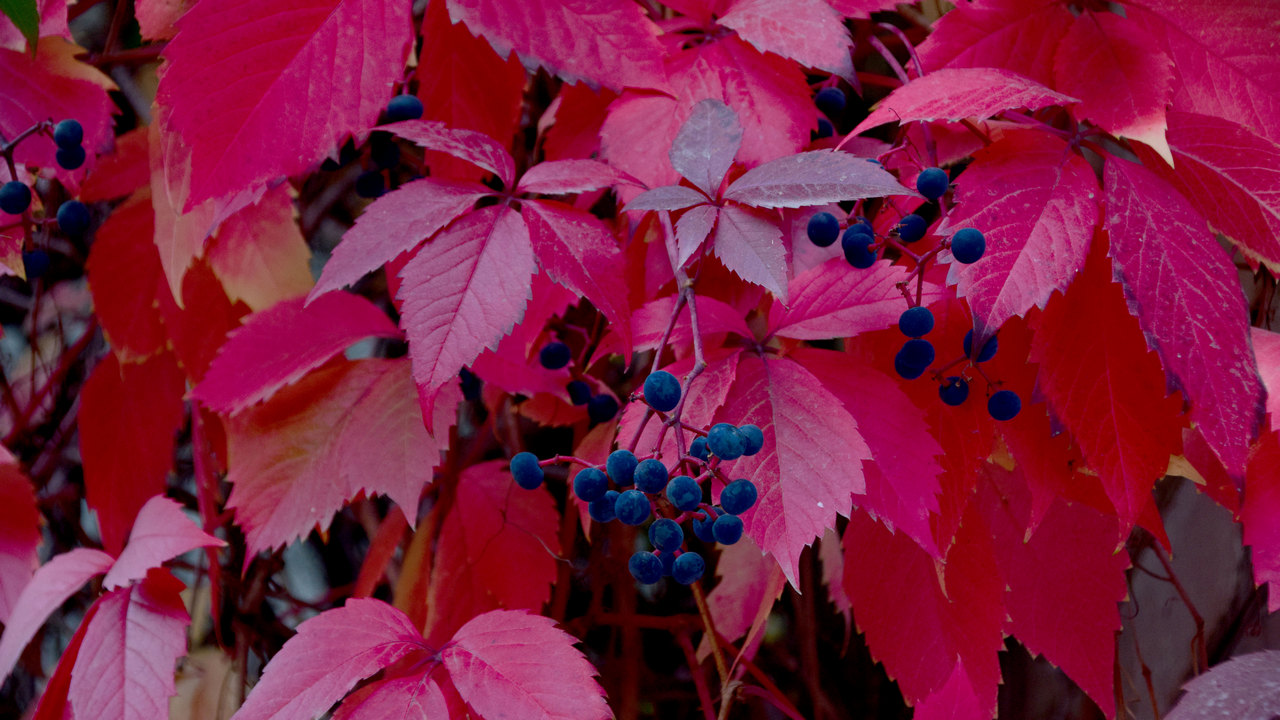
(601, 407)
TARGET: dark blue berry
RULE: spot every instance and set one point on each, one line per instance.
(36, 263)
(823, 229)
(68, 134)
(579, 392)
(727, 529)
(651, 476)
(688, 568)
(662, 391)
(554, 355)
(932, 183)
(913, 359)
(738, 496)
(602, 408)
(470, 384)
(698, 449)
(857, 248)
(666, 535)
(404, 107)
(725, 441)
(70, 158)
(668, 562)
(15, 197)
(684, 492)
(384, 151)
(632, 507)
(73, 218)
(911, 228)
(916, 322)
(954, 391)
(526, 471)
(590, 484)
(1004, 405)
(752, 439)
(862, 226)
(602, 509)
(370, 184)
(645, 567)
(988, 349)
(703, 525)
(830, 100)
(621, 467)
(968, 245)
(825, 128)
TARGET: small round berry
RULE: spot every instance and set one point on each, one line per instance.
(932, 183)
(968, 245)
(632, 507)
(651, 476)
(579, 392)
(36, 263)
(914, 358)
(823, 229)
(370, 184)
(602, 510)
(703, 525)
(662, 391)
(15, 197)
(727, 529)
(830, 100)
(725, 441)
(862, 226)
(825, 128)
(988, 349)
(602, 408)
(916, 322)
(738, 496)
(753, 439)
(911, 228)
(954, 391)
(688, 568)
(684, 492)
(526, 471)
(404, 107)
(470, 384)
(621, 467)
(590, 484)
(554, 355)
(668, 562)
(666, 535)
(698, 449)
(1004, 405)
(73, 218)
(857, 248)
(68, 134)
(645, 567)
(384, 151)
(70, 158)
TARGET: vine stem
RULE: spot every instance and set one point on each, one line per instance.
(1197, 642)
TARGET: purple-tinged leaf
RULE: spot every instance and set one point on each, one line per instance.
(667, 197)
(813, 178)
(474, 147)
(692, 229)
(568, 177)
(807, 31)
(705, 147)
(749, 242)
(833, 300)
(1186, 294)
(1242, 688)
(161, 532)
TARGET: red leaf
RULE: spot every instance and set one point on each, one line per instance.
(955, 94)
(750, 583)
(714, 317)
(259, 253)
(749, 242)
(703, 150)
(330, 654)
(53, 21)
(199, 330)
(578, 251)
(463, 291)
(126, 661)
(19, 533)
(807, 31)
(493, 528)
(831, 300)
(813, 178)
(122, 172)
(567, 177)
(286, 112)
(129, 413)
(1036, 202)
(1123, 79)
(1014, 35)
(667, 197)
(474, 147)
(576, 115)
(156, 17)
(1258, 515)
(53, 84)
(1199, 324)
(51, 585)
(349, 428)
(607, 42)
(507, 663)
(278, 346)
(413, 697)
(1242, 688)
(124, 278)
(1104, 385)
(811, 463)
(161, 532)
(1266, 348)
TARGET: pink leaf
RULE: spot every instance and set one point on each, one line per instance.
(463, 291)
(53, 21)
(1123, 79)
(750, 582)
(51, 585)
(704, 396)
(127, 659)
(1242, 688)
(1200, 324)
(705, 147)
(714, 316)
(831, 300)
(19, 533)
(568, 177)
(813, 178)
(1036, 202)
(608, 42)
(259, 253)
(278, 346)
(330, 654)
(807, 31)
(749, 242)
(955, 94)
(1266, 348)
(811, 463)
(578, 251)
(667, 197)
(474, 147)
(507, 663)
(156, 17)
(413, 697)
(396, 223)
(53, 84)
(161, 532)
(1020, 36)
